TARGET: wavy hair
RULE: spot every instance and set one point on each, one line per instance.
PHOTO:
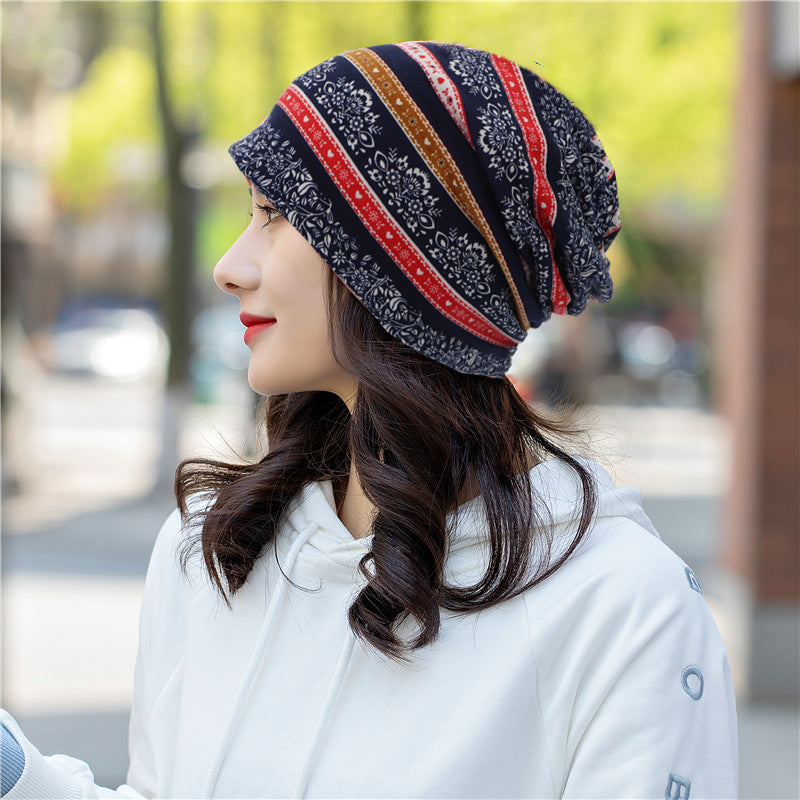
(422, 437)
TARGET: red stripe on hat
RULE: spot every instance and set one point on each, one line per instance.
(380, 223)
(442, 83)
(438, 159)
(544, 199)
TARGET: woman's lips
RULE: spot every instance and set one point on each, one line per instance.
(254, 325)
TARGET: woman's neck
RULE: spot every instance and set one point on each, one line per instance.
(356, 511)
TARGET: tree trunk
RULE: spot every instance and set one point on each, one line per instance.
(180, 296)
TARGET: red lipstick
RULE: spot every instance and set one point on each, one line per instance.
(254, 325)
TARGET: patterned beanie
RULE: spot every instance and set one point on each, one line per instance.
(460, 197)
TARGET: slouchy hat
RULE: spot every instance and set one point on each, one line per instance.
(461, 198)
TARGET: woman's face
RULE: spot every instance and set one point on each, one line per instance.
(281, 283)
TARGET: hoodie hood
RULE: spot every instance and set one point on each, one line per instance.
(314, 509)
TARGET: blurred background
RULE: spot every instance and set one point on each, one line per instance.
(120, 357)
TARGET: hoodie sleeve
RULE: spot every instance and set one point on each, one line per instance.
(641, 666)
(32, 775)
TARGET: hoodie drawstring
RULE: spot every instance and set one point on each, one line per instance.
(255, 661)
(327, 707)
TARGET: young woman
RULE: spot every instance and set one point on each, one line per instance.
(418, 591)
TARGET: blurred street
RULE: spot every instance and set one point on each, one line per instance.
(79, 527)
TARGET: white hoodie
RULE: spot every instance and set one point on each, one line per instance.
(606, 680)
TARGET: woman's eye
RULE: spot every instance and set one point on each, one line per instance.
(270, 211)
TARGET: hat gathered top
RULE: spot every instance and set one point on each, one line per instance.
(460, 197)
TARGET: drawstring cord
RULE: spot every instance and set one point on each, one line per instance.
(255, 661)
(327, 707)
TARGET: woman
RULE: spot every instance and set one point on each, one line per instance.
(418, 592)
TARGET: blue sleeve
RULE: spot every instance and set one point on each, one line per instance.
(12, 760)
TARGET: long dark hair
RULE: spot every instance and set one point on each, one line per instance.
(422, 437)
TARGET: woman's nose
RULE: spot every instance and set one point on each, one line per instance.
(235, 271)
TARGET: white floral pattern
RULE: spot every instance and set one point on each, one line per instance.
(500, 139)
(468, 263)
(588, 194)
(528, 236)
(349, 109)
(405, 189)
(474, 69)
(465, 261)
(318, 74)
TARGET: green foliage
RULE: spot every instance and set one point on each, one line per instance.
(219, 65)
(111, 128)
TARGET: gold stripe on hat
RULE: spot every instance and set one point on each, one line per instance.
(437, 157)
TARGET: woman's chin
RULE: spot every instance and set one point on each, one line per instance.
(326, 378)
(262, 384)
